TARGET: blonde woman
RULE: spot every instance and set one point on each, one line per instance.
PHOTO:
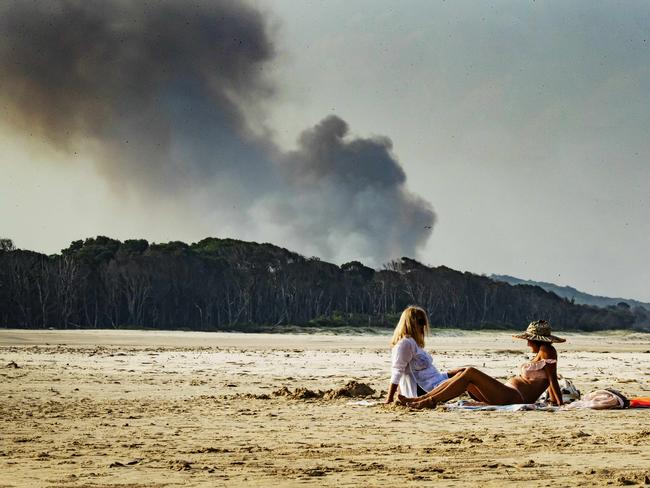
(413, 369)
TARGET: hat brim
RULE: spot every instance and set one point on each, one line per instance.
(532, 337)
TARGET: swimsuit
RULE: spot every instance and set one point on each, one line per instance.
(535, 370)
(513, 387)
(530, 372)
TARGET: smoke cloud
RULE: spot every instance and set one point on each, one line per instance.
(161, 95)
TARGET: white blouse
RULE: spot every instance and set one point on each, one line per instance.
(413, 367)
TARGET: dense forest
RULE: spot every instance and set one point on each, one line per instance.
(221, 284)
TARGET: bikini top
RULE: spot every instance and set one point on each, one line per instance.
(535, 370)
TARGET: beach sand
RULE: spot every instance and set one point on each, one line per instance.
(166, 409)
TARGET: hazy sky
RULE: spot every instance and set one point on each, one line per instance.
(525, 125)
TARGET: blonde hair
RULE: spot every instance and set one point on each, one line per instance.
(413, 323)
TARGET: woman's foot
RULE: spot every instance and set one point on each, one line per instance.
(422, 404)
(403, 400)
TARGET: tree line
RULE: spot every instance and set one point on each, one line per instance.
(221, 284)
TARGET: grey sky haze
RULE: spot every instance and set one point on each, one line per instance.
(524, 124)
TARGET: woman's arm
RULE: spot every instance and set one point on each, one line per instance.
(402, 354)
(548, 352)
(553, 385)
(392, 389)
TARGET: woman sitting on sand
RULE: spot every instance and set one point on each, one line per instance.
(413, 368)
(536, 376)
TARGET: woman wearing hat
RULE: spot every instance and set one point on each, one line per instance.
(412, 367)
(535, 377)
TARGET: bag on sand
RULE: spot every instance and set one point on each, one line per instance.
(601, 400)
(568, 390)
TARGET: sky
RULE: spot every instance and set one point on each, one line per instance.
(500, 137)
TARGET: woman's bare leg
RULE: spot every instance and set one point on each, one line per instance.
(471, 390)
(450, 373)
(406, 400)
(475, 394)
(484, 386)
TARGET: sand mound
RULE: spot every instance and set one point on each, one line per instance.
(350, 390)
(298, 393)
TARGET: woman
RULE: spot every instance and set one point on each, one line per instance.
(536, 376)
(413, 369)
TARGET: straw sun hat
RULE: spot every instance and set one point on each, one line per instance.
(539, 330)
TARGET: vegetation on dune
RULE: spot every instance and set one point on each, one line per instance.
(229, 284)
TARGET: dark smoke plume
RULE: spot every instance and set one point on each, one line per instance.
(356, 187)
(158, 92)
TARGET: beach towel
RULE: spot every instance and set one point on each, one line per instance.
(640, 402)
(515, 407)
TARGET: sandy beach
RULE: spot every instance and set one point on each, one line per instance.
(166, 409)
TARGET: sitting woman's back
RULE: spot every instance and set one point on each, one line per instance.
(412, 367)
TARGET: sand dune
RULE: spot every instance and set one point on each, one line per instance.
(129, 408)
